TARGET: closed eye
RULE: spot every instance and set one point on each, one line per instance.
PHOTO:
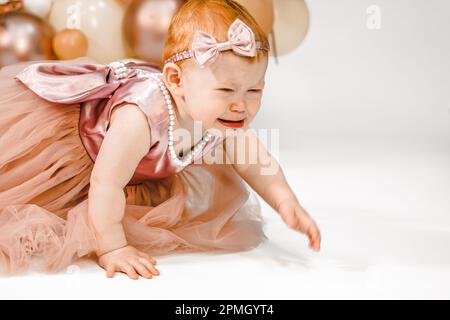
(231, 90)
(226, 89)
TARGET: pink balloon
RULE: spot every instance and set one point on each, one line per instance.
(145, 28)
(24, 37)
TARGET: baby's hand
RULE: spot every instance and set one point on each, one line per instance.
(298, 219)
(130, 261)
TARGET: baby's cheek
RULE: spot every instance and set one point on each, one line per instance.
(205, 119)
(214, 109)
(254, 105)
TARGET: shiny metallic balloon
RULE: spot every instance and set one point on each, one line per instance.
(10, 6)
(24, 37)
(125, 2)
(145, 26)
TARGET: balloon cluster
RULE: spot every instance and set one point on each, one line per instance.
(109, 30)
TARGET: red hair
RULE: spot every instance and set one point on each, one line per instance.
(211, 16)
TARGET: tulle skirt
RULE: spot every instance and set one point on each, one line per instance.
(44, 184)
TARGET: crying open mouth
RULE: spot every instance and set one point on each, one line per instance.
(230, 121)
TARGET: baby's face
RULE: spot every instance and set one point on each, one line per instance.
(229, 89)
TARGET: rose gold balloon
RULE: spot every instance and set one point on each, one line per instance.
(290, 26)
(24, 37)
(11, 6)
(145, 26)
(125, 2)
(262, 11)
(70, 44)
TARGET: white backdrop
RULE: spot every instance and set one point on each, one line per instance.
(348, 83)
(364, 115)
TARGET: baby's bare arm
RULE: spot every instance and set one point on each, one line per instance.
(254, 163)
(126, 142)
(266, 177)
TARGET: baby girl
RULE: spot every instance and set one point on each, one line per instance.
(102, 169)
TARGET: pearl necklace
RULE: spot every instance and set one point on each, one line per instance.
(199, 146)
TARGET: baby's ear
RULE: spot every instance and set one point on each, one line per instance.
(172, 75)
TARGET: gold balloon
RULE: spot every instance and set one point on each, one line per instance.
(99, 20)
(145, 28)
(24, 37)
(125, 2)
(262, 11)
(11, 6)
(290, 26)
(70, 44)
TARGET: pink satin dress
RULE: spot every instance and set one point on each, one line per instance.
(54, 116)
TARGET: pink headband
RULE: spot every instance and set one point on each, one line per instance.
(205, 47)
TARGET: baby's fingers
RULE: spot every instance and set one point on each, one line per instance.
(142, 269)
(129, 270)
(314, 237)
(290, 219)
(110, 270)
(149, 266)
(146, 256)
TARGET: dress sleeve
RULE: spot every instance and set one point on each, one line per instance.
(144, 92)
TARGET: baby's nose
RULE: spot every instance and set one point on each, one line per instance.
(238, 107)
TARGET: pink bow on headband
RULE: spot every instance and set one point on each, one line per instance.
(241, 40)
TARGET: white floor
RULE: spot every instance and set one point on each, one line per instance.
(384, 216)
